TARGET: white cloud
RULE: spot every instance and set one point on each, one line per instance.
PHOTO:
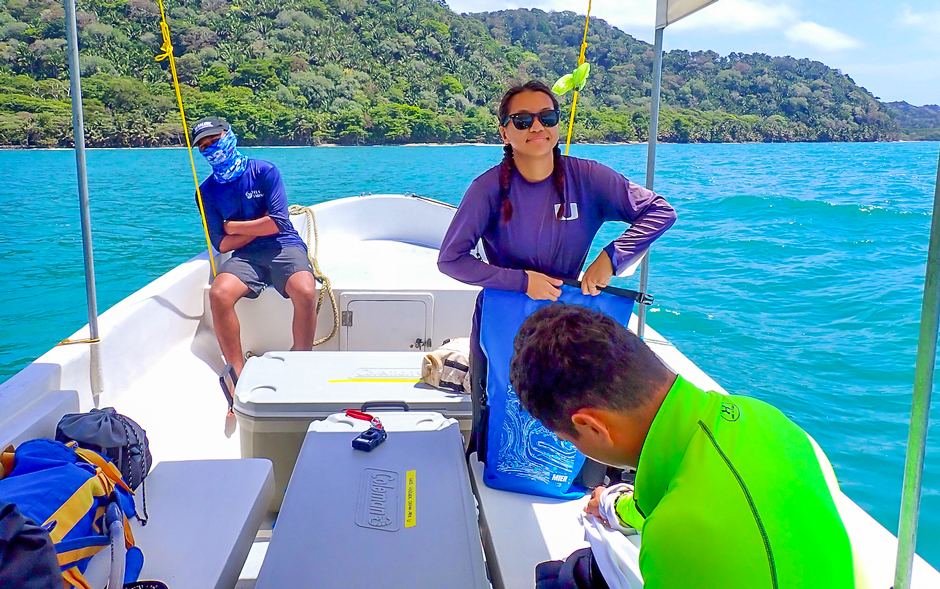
(725, 15)
(820, 37)
(921, 20)
(917, 82)
(728, 16)
(738, 16)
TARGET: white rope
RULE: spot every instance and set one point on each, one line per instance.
(326, 288)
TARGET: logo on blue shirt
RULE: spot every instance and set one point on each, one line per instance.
(254, 194)
(570, 215)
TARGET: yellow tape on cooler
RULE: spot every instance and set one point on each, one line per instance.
(410, 488)
(376, 380)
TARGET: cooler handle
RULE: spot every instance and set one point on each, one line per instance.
(385, 405)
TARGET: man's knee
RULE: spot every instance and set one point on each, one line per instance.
(226, 292)
(302, 288)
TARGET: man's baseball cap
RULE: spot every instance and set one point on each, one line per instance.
(208, 127)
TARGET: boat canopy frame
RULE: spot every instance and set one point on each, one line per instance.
(667, 12)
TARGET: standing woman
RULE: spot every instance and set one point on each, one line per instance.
(538, 211)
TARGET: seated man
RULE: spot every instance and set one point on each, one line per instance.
(729, 492)
(246, 212)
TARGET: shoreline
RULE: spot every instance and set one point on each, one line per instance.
(337, 145)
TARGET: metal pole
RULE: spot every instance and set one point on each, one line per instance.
(920, 406)
(651, 164)
(78, 132)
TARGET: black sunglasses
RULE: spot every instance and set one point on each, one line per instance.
(524, 120)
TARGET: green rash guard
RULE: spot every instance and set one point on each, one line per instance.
(730, 494)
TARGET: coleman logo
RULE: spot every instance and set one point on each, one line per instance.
(570, 214)
(378, 505)
(414, 373)
(378, 500)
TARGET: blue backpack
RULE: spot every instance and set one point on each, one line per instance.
(521, 454)
(67, 490)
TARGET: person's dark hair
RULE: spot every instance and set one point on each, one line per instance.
(507, 165)
(569, 357)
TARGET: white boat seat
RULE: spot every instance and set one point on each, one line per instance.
(204, 515)
(520, 531)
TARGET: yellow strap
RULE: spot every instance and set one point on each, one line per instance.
(110, 471)
(128, 534)
(107, 466)
(574, 102)
(168, 54)
(7, 461)
(74, 578)
(76, 506)
(79, 554)
(100, 516)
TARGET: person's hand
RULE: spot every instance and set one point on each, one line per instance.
(542, 287)
(593, 506)
(598, 275)
(226, 226)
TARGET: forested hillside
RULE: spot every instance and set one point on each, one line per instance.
(390, 71)
(917, 123)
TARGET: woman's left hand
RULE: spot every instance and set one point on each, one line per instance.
(598, 275)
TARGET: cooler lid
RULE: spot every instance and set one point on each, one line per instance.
(401, 516)
(314, 384)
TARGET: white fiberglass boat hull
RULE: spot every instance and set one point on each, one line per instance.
(160, 358)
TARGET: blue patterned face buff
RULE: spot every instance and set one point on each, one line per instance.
(227, 162)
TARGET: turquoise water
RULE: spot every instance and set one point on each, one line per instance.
(794, 274)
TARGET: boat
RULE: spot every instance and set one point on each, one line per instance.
(160, 362)
(215, 496)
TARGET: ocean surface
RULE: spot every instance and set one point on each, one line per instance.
(794, 274)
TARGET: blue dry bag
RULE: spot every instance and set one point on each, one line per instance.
(522, 455)
(66, 490)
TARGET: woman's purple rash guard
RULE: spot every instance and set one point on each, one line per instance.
(533, 239)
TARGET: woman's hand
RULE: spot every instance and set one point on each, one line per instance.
(598, 275)
(593, 506)
(542, 287)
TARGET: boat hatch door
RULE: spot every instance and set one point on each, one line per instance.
(390, 322)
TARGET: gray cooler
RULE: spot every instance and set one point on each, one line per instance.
(399, 517)
(280, 393)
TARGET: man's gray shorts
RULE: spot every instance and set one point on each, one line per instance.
(269, 268)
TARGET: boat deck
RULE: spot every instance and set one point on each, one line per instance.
(160, 359)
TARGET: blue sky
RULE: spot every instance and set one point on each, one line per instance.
(891, 48)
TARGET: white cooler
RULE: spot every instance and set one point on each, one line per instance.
(399, 517)
(280, 393)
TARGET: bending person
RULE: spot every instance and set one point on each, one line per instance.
(538, 211)
(246, 212)
(729, 492)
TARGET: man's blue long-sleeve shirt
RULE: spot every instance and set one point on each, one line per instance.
(258, 192)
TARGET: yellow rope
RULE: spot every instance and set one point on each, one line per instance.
(168, 54)
(574, 102)
(87, 340)
(317, 273)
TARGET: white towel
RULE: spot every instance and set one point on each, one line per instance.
(617, 557)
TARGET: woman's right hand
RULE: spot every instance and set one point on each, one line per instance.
(542, 287)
